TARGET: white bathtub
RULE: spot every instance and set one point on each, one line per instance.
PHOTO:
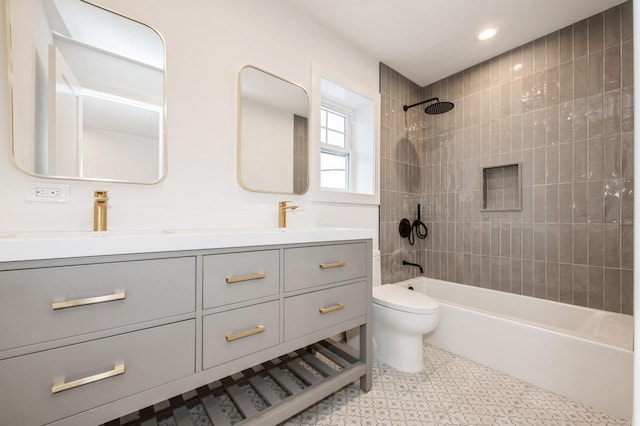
(581, 353)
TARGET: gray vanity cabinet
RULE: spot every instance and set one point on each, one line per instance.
(89, 339)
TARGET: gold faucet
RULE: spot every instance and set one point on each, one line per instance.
(100, 199)
(282, 213)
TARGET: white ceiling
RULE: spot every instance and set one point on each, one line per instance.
(426, 40)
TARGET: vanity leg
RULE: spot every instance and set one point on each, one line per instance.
(366, 356)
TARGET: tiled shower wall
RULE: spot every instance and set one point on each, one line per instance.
(402, 160)
(563, 106)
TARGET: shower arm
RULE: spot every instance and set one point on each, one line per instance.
(406, 107)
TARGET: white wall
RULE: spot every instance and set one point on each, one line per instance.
(207, 42)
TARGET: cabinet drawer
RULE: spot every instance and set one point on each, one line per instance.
(126, 292)
(234, 334)
(322, 309)
(150, 358)
(312, 266)
(235, 277)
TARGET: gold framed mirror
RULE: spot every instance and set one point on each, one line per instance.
(87, 93)
(273, 135)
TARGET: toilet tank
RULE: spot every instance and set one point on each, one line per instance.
(376, 276)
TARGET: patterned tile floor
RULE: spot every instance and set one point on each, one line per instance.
(450, 391)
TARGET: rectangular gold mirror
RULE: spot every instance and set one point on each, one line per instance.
(273, 136)
(87, 93)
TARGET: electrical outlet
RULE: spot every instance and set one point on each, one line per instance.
(48, 192)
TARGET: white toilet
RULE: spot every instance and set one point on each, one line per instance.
(400, 318)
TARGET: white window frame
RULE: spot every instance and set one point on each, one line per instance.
(364, 101)
(346, 151)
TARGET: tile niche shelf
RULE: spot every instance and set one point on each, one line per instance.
(501, 187)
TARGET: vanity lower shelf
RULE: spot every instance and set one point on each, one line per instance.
(268, 393)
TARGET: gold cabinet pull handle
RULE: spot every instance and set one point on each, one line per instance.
(258, 329)
(332, 308)
(240, 278)
(61, 387)
(332, 265)
(88, 301)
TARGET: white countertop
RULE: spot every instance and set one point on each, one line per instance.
(54, 245)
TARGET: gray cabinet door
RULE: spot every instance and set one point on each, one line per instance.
(233, 334)
(236, 277)
(33, 300)
(317, 310)
(307, 267)
(148, 357)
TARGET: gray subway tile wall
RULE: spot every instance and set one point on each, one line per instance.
(563, 106)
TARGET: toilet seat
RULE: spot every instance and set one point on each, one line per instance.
(403, 299)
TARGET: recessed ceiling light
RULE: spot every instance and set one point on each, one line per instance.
(487, 33)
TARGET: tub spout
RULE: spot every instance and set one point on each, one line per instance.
(404, 262)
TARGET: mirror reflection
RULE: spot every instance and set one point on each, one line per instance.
(88, 93)
(273, 142)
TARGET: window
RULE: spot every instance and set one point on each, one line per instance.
(336, 147)
(345, 163)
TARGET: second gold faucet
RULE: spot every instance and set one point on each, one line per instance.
(100, 199)
(282, 213)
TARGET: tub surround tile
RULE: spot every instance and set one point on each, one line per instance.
(595, 201)
(565, 243)
(612, 290)
(626, 64)
(580, 160)
(595, 244)
(595, 115)
(626, 247)
(596, 73)
(612, 64)
(552, 290)
(580, 40)
(596, 34)
(580, 241)
(567, 114)
(565, 282)
(565, 203)
(580, 127)
(527, 277)
(580, 202)
(580, 77)
(612, 27)
(612, 244)
(611, 164)
(539, 280)
(580, 279)
(626, 291)
(595, 287)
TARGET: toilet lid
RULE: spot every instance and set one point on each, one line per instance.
(403, 299)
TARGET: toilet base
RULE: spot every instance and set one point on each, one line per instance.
(402, 352)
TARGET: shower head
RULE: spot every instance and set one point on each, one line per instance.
(435, 108)
(438, 108)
